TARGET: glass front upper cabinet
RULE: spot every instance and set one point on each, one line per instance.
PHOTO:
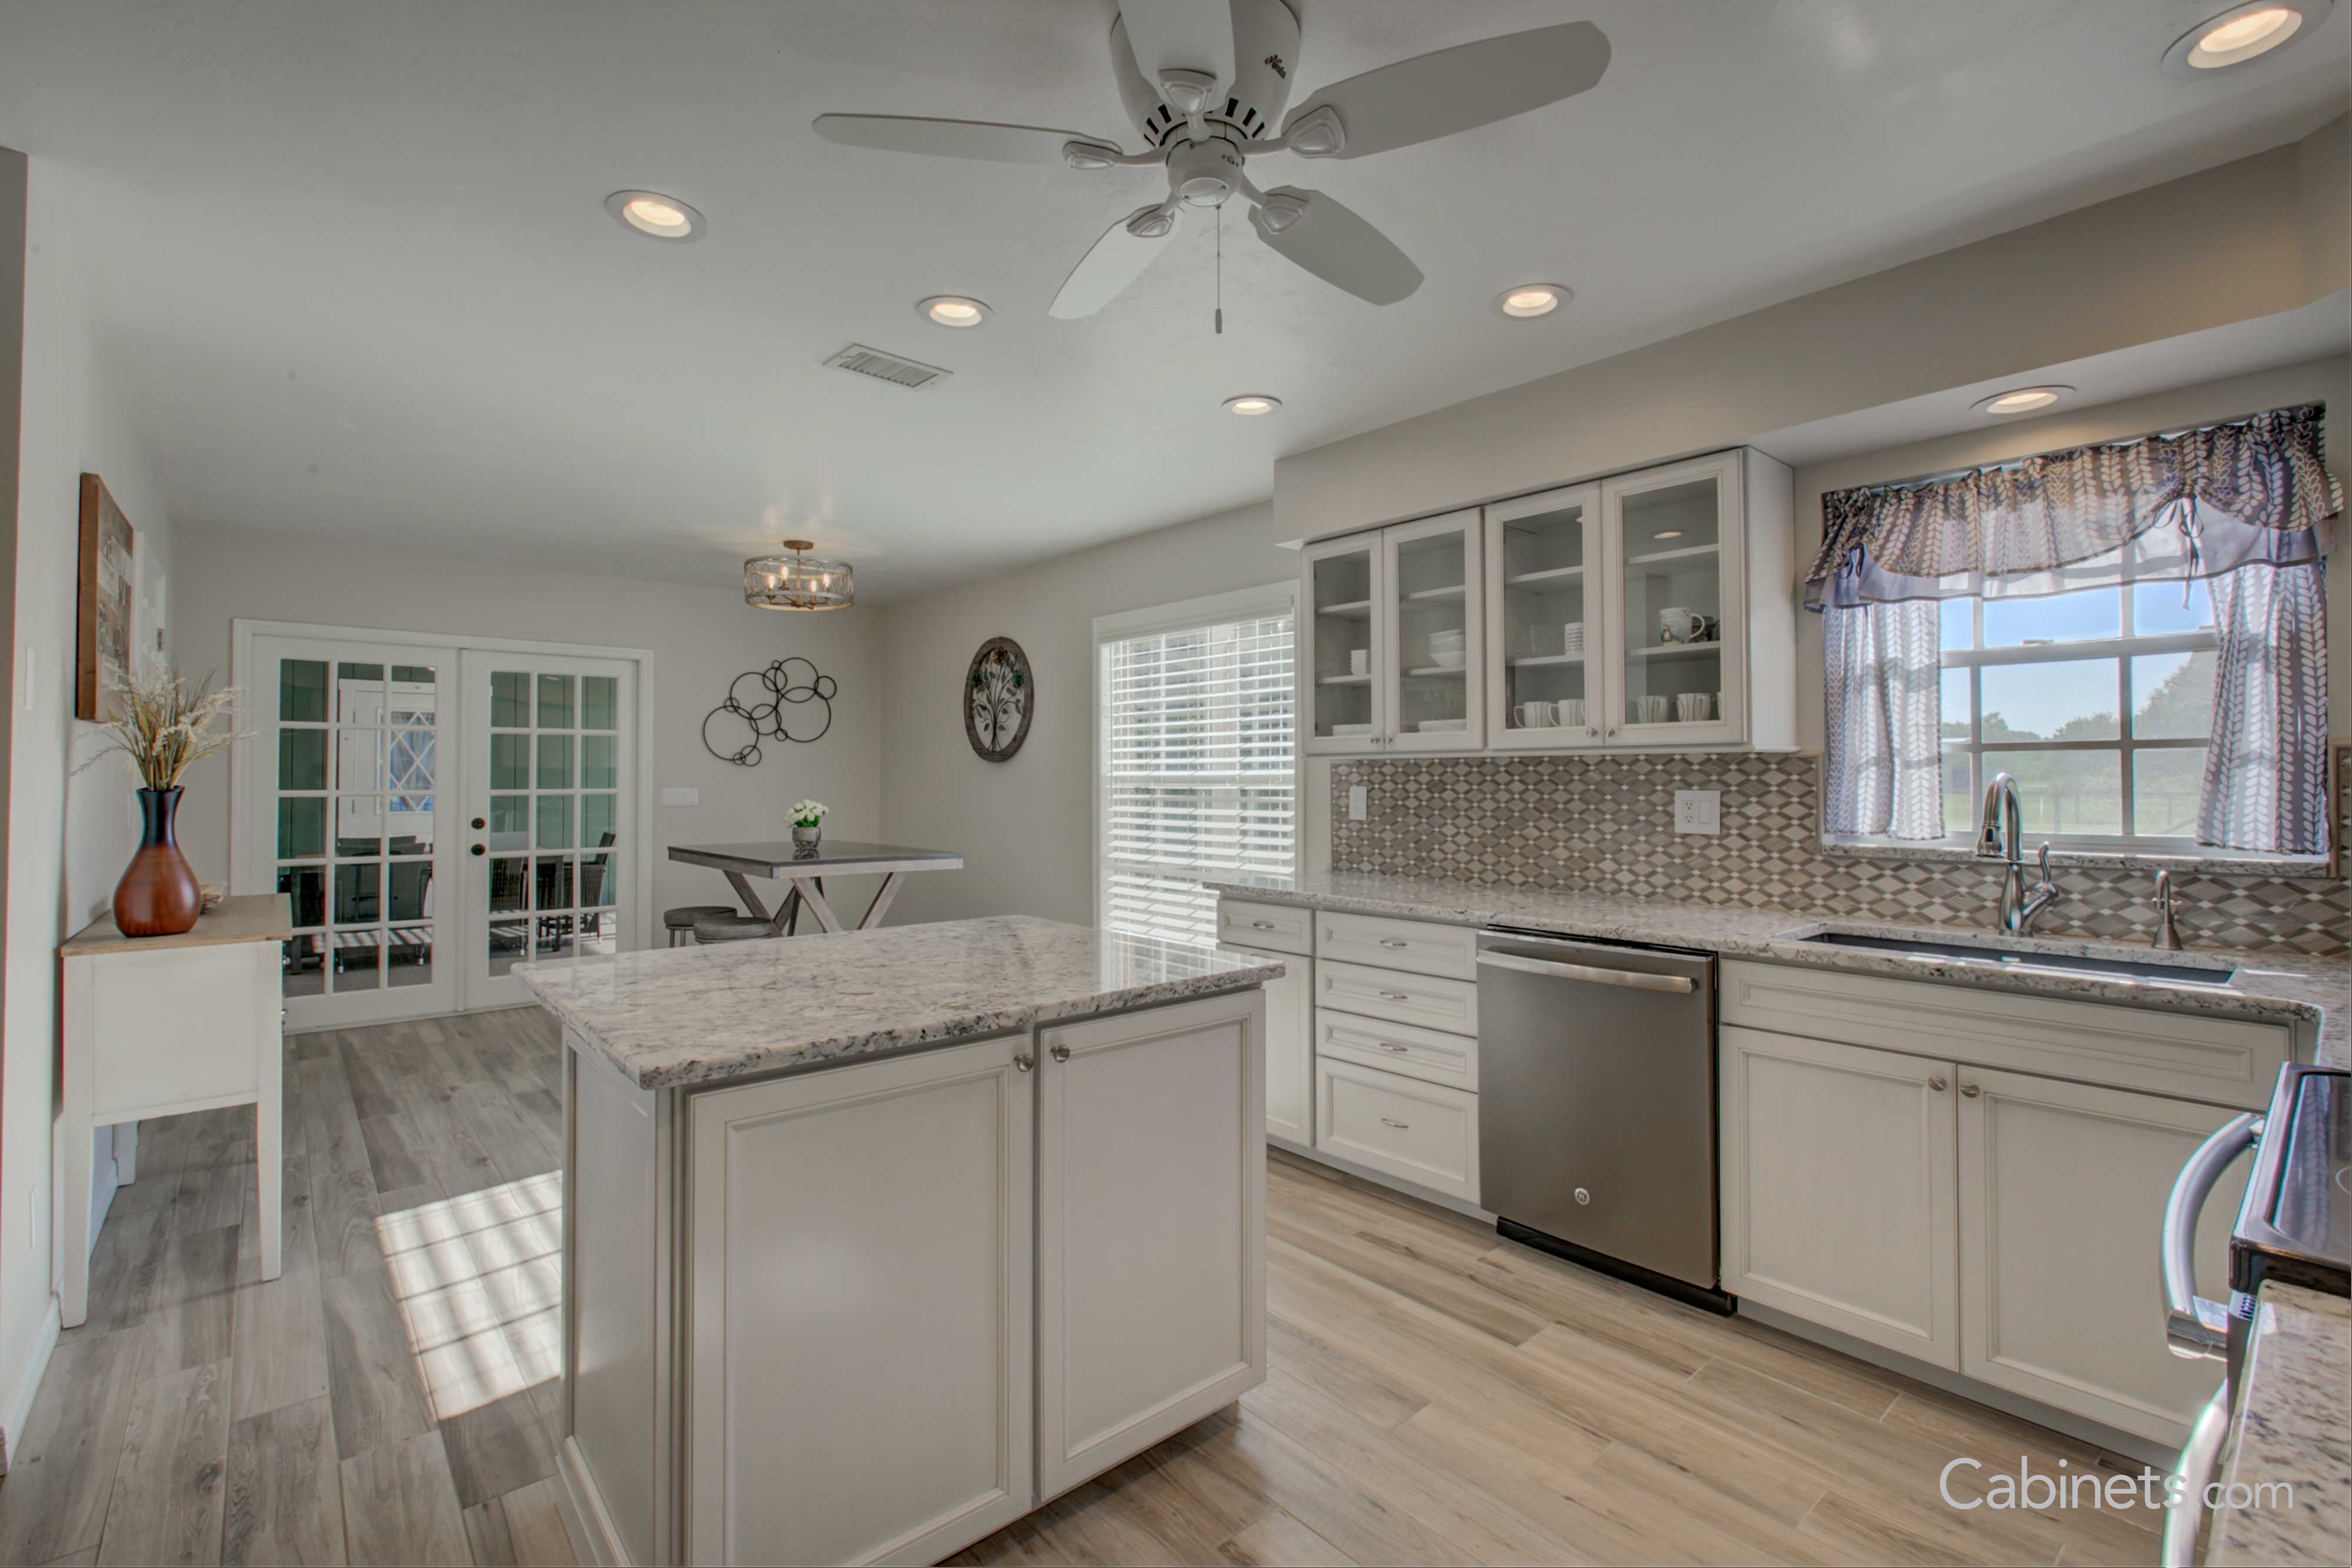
(1344, 585)
(1541, 640)
(1671, 543)
(1431, 678)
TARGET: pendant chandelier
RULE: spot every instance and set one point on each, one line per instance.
(796, 583)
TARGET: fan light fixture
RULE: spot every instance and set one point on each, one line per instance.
(1529, 300)
(2021, 400)
(2242, 34)
(1249, 405)
(655, 216)
(951, 310)
(796, 583)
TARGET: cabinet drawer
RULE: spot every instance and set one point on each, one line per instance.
(1425, 1053)
(1422, 1133)
(1429, 1000)
(1283, 927)
(2224, 1061)
(1415, 945)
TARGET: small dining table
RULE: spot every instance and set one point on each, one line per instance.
(805, 871)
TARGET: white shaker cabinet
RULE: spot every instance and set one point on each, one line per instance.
(1392, 639)
(1150, 1228)
(1838, 1175)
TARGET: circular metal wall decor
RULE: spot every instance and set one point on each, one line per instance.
(999, 693)
(782, 706)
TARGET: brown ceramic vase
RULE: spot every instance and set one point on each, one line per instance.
(157, 896)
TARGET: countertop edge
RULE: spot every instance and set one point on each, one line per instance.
(2291, 1420)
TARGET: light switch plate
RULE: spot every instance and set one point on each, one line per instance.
(1699, 811)
(681, 797)
(1358, 798)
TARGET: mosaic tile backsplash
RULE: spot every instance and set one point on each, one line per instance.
(1605, 824)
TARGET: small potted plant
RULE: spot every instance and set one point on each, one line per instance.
(165, 727)
(808, 825)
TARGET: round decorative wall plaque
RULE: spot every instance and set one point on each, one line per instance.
(999, 693)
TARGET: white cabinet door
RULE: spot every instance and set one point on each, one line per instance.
(1674, 626)
(860, 1377)
(1150, 1228)
(1431, 634)
(1838, 1202)
(1289, 1046)
(1417, 1131)
(1341, 694)
(2062, 1190)
(1543, 596)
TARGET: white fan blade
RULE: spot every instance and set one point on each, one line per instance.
(1340, 248)
(1454, 89)
(1116, 260)
(1181, 35)
(952, 137)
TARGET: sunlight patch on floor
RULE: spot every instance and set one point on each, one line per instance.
(478, 1280)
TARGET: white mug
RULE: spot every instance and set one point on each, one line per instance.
(1677, 625)
(1571, 713)
(1692, 708)
(1535, 715)
(1646, 710)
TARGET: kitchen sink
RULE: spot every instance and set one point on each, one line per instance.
(2009, 958)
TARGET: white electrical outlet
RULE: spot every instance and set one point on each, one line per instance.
(672, 797)
(1698, 811)
(1358, 798)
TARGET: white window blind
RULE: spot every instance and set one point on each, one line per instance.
(1198, 765)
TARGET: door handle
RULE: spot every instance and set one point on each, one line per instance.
(479, 824)
(1676, 985)
(481, 849)
(2196, 1329)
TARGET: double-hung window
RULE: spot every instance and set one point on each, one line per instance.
(1197, 757)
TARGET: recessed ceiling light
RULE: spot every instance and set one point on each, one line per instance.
(1667, 534)
(1532, 299)
(951, 310)
(1251, 404)
(657, 217)
(2021, 400)
(2241, 34)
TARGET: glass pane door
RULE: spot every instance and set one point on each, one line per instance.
(349, 828)
(1538, 548)
(1668, 541)
(1342, 596)
(1431, 612)
(552, 761)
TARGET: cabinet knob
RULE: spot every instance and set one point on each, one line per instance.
(1970, 1089)
(1061, 1053)
(1024, 1062)
(1938, 1085)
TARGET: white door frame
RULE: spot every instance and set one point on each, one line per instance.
(242, 775)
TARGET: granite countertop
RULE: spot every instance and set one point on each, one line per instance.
(2315, 993)
(2292, 1426)
(673, 1016)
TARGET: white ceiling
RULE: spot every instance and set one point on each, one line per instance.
(355, 265)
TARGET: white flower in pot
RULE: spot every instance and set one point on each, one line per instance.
(808, 823)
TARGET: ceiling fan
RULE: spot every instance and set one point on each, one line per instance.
(1205, 80)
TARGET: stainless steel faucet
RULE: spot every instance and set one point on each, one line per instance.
(2000, 836)
(2167, 910)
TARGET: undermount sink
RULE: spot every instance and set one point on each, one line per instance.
(2007, 958)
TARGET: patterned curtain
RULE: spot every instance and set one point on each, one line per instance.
(2266, 770)
(1883, 767)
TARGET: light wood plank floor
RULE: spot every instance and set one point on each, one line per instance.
(1437, 1396)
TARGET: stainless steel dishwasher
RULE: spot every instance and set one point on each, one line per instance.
(1596, 1106)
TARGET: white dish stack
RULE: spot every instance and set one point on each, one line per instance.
(1447, 649)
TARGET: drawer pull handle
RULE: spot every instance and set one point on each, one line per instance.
(1386, 1046)
(1397, 996)
(1937, 1084)
(1261, 924)
(1393, 942)
(1402, 1126)
(1970, 1089)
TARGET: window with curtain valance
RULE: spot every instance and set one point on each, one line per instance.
(2135, 630)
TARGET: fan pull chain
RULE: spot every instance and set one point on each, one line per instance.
(1221, 270)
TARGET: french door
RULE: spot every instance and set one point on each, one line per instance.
(438, 814)
(549, 814)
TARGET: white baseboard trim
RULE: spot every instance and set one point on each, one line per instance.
(19, 1408)
(594, 1541)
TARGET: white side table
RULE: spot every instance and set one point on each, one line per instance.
(157, 1026)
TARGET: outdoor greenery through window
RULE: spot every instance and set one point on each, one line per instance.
(2100, 703)
(1197, 765)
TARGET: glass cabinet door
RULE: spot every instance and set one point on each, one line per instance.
(1672, 544)
(1432, 624)
(1344, 583)
(1541, 597)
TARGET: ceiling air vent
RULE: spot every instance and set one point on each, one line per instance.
(859, 360)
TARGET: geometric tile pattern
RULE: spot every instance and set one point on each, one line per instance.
(1605, 825)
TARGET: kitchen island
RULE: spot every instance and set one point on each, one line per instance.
(873, 1243)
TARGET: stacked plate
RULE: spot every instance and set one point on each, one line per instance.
(1447, 648)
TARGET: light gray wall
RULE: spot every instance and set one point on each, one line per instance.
(2107, 276)
(2328, 380)
(700, 638)
(1026, 826)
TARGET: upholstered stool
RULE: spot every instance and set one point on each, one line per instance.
(679, 921)
(730, 927)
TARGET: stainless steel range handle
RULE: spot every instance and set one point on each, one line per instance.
(2196, 1329)
(2185, 1518)
(1678, 985)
